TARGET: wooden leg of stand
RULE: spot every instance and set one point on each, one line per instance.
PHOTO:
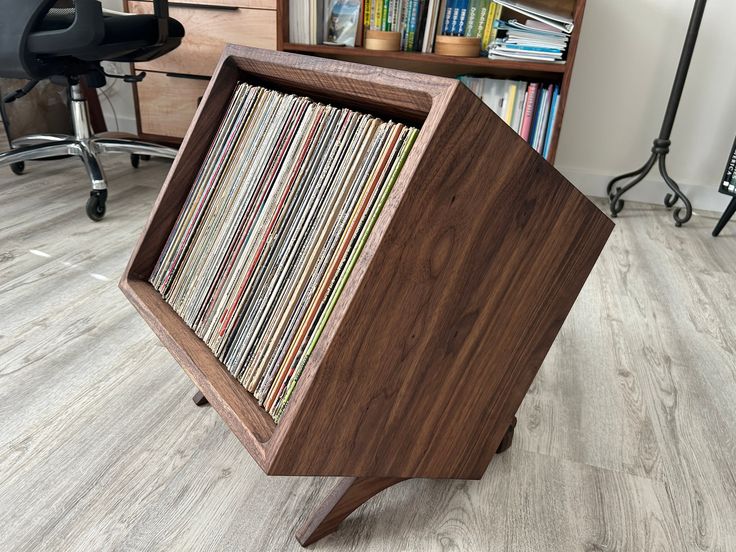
(507, 439)
(727, 214)
(199, 399)
(349, 494)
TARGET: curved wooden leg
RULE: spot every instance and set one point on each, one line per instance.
(199, 399)
(349, 494)
(507, 439)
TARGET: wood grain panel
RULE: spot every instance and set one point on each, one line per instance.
(208, 30)
(167, 104)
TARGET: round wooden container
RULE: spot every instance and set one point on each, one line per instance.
(387, 41)
(458, 46)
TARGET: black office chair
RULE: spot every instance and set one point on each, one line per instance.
(66, 41)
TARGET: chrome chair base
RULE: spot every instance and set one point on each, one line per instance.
(84, 146)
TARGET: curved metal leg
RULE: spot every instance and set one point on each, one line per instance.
(671, 199)
(114, 145)
(33, 139)
(94, 169)
(616, 203)
(41, 151)
(644, 169)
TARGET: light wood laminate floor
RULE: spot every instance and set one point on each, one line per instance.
(626, 441)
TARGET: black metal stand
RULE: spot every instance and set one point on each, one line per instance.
(662, 144)
(727, 214)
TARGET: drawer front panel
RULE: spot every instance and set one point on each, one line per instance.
(261, 4)
(208, 29)
(167, 104)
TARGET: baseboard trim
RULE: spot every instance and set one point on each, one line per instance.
(651, 190)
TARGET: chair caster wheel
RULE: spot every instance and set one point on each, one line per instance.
(135, 159)
(96, 204)
(18, 167)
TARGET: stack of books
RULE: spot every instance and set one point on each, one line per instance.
(280, 211)
(306, 21)
(542, 37)
(530, 108)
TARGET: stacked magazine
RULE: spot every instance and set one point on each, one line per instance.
(273, 225)
(543, 36)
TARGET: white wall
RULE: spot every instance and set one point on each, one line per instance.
(625, 66)
(116, 98)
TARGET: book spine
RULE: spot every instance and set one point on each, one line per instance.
(544, 118)
(537, 121)
(471, 20)
(378, 15)
(521, 95)
(494, 26)
(510, 103)
(384, 15)
(551, 122)
(462, 17)
(481, 20)
(412, 25)
(526, 124)
(447, 18)
(726, 184)
(421, 24)
(488, 26)
(405, 5)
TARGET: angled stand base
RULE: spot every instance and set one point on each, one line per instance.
(353, 492)
(199, 399)
(347, 496)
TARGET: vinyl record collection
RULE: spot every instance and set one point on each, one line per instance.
(272, 227)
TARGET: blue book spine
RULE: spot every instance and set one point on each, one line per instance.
(413, 16)
(551, 123)
(531, 48)
(455, 23)
(447, 22)
(462, 17)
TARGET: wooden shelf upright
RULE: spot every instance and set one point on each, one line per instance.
(468, 275)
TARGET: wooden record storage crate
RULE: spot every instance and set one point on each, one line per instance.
(472, 266)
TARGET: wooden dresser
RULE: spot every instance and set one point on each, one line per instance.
(166, 99)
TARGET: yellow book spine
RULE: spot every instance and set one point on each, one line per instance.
(489, 25)
(512, 102)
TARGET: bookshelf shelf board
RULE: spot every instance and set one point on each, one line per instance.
(424, 62)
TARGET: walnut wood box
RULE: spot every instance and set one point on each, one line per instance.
(468, 275)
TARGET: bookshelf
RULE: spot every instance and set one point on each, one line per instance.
(433, 64)
(448, 313)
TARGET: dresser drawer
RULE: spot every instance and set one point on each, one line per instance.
(208, 29)
(166, 104)
(262, 4)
